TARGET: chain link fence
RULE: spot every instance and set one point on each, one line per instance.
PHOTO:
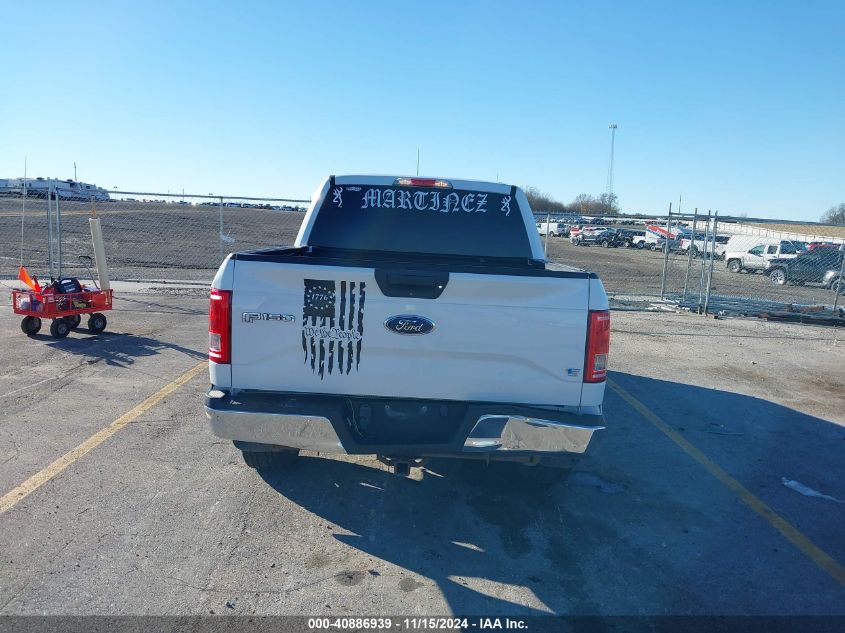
(703, 262)
(720, 263)
(148, 236)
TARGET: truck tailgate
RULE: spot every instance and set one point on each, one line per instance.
(313, 328)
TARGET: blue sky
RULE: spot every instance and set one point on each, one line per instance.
(737, 106)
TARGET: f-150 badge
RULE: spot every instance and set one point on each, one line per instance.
(249, 317)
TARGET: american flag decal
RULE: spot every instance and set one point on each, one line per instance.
(332, 325)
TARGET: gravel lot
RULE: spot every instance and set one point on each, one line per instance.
(631, 271)
(163, 518)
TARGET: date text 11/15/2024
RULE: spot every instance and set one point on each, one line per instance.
(416, 624)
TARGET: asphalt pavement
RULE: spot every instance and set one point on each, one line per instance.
(679, 507)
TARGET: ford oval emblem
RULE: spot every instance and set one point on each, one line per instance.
(409, 324)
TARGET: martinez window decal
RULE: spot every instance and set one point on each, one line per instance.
(422, 219)
(411, 200)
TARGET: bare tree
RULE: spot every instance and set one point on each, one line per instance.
(834, 215)
(543, 203)
(585, 203)
(609, 203)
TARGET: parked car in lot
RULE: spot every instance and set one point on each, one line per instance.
(749, 254)
(814, 245)
(660, 243)
(599, 237)
(408, 335)
(554, 229)
(700, 246)
(639, 241)
(818, 266)
(628, 237)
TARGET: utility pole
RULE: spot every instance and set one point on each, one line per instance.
(612, 127)
(74, 171)
(418, 161)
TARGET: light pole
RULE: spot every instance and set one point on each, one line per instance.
(612, 127)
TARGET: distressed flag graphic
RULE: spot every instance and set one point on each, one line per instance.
(332, 325)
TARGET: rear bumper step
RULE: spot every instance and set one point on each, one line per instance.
(327, 424)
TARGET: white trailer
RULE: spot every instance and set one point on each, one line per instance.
(65, 189)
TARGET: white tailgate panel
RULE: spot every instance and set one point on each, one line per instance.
(496, 338)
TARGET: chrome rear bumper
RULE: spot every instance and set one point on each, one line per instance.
(494, 433)
(488, 429)
(306, 432)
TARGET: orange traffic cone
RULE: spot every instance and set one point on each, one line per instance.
(24, 277)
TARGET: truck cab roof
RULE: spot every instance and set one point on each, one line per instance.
(421, 215)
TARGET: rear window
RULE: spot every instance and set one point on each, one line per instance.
(435, 220)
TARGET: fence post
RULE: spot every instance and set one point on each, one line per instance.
(703, 263)
(58, 236)
(220, 236)
(712, 259)
(23, 213)
(50, 228)
(690, 251)
(666, 252)
(838, 288)
(546, 240)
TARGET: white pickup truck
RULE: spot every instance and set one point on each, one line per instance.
(413, 318)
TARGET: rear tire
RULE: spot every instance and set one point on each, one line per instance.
(73, 321)
(270, 461)
(31, 325)
(59, 328)
(605, 243)
(734, 266)
(97, 323)
(640, 245)
(777, 276)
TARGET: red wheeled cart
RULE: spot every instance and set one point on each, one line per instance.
(65, 309)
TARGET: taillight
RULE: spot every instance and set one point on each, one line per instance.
(598, 345)
(220, 326)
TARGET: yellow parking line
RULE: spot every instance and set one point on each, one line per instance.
(8, 500)
(789, 531)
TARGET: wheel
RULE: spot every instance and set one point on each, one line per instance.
(734, 266)
(605, 243)
(59, 328)
(640, 245)
(694, 251)
(268, 461)
(31, 325)
(833, 285)
(97, 322)
(74, 321)
(777, 276)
